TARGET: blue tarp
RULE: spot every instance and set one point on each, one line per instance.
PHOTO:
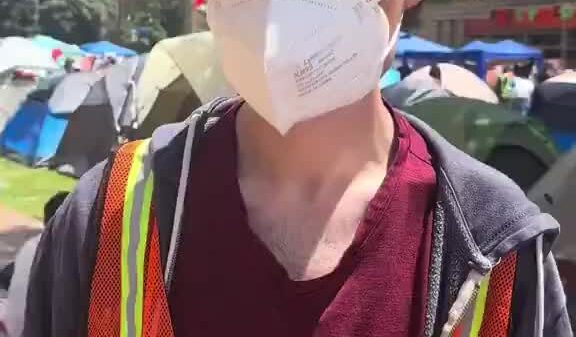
(105, 48)
(483, 53)
(390, 77)
(414, 47)
(34, 133)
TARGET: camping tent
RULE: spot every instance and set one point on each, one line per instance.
(68, 50)
(12, 94)
(105, 48)
(93, 103)
(515, 145)
(174, 103)
(555, 194)
(554, 103)
(18, 52)
(483, 53)
(34, 132)
(414, 47)
(121, 81)
(455, 81)
(180, 74)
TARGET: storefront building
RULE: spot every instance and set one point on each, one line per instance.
(546, 24)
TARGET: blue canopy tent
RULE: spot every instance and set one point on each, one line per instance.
(413, 47)
(34, 132)
(483, 53)
(105, 48)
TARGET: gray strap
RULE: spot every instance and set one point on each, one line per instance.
(179, 210)
(539, 324)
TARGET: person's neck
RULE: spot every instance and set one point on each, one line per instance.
(337, 145)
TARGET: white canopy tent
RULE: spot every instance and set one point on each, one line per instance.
(21, 53)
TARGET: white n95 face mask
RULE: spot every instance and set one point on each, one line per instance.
(293, 60)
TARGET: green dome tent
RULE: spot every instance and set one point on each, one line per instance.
(517, 146)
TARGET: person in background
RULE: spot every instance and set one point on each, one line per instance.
(69, 65)
(304, 206)
(436, 74)
(405, 69)
(505, 87)
(523, 88)
(16, 303)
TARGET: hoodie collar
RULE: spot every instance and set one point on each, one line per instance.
(490, 213)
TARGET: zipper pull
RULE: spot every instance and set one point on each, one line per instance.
(466, 297)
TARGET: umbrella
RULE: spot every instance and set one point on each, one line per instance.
(458, 81)
(18, 52)
(566, 77)
(107, 48)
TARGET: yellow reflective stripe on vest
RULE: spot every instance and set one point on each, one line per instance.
(135, 220)
(479, 308)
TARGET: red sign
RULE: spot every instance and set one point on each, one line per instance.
(519, 20)
(198, 4)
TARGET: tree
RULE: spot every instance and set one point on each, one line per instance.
(74, 21)
(150, 21)
(18, 17)
(77, 21)
(141, 25)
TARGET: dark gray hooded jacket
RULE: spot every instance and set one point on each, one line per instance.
(480, 217)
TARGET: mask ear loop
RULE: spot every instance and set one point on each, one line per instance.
(394, 38)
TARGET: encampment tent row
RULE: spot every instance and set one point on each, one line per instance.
(71, 121)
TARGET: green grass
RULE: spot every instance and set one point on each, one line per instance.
(25, 190)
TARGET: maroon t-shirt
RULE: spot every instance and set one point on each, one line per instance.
(227, 283)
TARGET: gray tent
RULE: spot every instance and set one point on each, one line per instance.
(92, 127)
(555, 193)
(14, 92)
(12, 95)
(121, 82)
(99, 105)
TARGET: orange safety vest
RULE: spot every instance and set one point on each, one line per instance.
(128, 295)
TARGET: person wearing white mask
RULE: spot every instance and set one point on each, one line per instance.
(305, 206)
